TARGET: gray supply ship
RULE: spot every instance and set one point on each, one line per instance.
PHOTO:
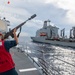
(49, 34)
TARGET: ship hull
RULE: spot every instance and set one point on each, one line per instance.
(54, 42)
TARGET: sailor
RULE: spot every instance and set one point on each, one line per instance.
(7, 66)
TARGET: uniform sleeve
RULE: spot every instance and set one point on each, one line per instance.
(9, 44)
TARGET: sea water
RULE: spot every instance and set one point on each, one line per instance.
(60, 60)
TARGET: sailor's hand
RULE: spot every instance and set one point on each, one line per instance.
(15, 37)
(14, 31)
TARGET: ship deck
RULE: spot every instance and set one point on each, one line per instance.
(23, 64)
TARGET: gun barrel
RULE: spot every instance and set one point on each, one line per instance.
(33, 16)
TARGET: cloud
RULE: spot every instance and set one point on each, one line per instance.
(65, 5)
(24, 8)
(60, 12)
(24, 34)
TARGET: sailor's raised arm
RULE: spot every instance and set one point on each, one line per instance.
(15, 36)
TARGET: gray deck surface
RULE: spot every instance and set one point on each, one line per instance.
(23, 62)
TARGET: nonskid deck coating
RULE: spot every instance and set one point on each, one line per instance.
(22, 62)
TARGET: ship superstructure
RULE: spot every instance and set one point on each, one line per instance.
(4, 25)
(48, 31)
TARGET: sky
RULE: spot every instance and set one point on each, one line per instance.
(61, 13)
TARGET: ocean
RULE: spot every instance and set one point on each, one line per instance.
(58, 60)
